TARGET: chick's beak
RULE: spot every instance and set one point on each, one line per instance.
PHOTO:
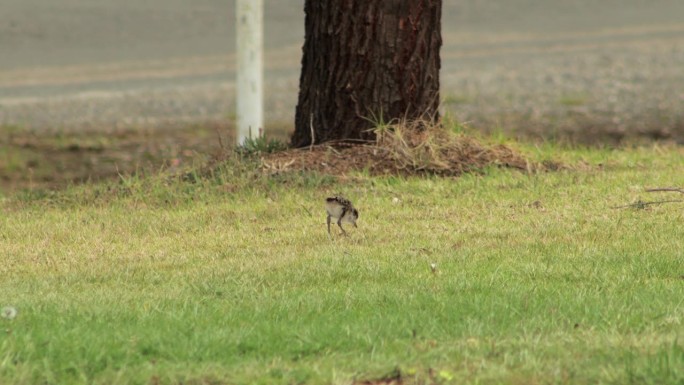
(355, 225)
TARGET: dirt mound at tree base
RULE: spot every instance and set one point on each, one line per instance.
(406, 149)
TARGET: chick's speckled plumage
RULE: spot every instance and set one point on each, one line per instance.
(341, 209)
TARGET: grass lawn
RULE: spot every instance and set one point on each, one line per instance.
(231, 278)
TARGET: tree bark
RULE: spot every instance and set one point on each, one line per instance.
(366, 61)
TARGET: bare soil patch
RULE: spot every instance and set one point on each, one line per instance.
(53, 160)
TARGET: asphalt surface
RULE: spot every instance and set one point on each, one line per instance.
(614, 67)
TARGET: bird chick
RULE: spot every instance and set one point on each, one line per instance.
(341, 209)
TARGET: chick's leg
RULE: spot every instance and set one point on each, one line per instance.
(339, 223)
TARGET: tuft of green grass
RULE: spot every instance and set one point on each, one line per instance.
(260, 145)
(229, 277)
(573, 100)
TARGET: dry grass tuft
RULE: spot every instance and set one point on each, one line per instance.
(405, 148)
(418, 146)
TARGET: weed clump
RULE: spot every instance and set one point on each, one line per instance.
(260, 145)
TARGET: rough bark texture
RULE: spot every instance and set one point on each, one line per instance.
(367, 60)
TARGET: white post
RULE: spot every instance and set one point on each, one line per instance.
(250, 75)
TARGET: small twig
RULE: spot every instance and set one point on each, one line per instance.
(307, 210)
(220, 140)
(312, 132)
(333, 150)
(642, 205)
(675, 189)
(341, 143)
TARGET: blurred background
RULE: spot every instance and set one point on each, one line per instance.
(578, 70)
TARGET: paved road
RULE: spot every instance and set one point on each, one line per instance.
(553, 65)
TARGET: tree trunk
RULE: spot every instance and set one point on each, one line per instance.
(367, 61)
